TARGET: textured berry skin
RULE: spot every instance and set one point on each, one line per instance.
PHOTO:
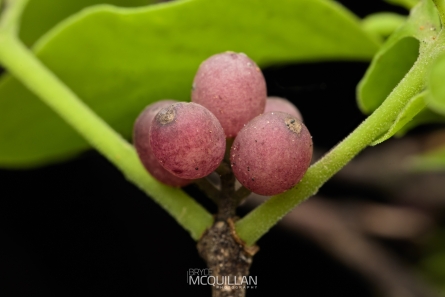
(142, 144)
(271, 153)
(281, 104)
(188, 140)
(232, 87)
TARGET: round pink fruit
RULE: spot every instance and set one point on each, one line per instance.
(280, 104)
(232, 87)
(271, 153)
(141, 141)
(187, 140)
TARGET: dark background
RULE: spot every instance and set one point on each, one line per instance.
(79, 229)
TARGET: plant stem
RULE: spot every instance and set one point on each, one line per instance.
(10, 19)
(34, 75)
(226, 201)
(228, 260)
(260, 220)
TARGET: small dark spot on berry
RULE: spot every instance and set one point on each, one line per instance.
(166, 115)
(292, 125)
(253, 179)
(248, 168)
(196, 168)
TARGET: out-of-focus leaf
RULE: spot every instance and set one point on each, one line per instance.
(41, 15)
(388, 67)
(408, 4)
(397, 56)
(434, 160)
(415, 105)
(119, 60)
(432, 263)
(383, 24)
(436, 85)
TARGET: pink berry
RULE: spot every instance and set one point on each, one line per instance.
(187, 140)
(281, 104)
(232, 87)
(271, 153)
(141, 141)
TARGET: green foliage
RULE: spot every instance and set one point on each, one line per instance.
(396, 57)
(433, 160)
(436, 85)
(383, 24)
(389, 66)
(41, 15)
(408, 4)
(119, 60)
(413, 42)
(433, 261)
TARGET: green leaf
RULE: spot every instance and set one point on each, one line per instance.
(432, 262)
(388, 67)
(430, 161)
(436, 99)
(408, 4)
(41, 15)
(383, 24)
(397, 56)
(414, 106)
(119, 60)
(433, 267)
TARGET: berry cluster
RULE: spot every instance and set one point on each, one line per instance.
(178, 142)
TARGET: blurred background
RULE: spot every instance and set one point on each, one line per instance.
(80, 229)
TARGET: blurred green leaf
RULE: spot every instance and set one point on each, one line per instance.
(415, 105)
(434, 267)
(429, 161)
(41, 15)
(388, 67)
(436, 85)
(397, 56)
(119, 60)
(408, 4)
(432, 262)
(383, 24)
